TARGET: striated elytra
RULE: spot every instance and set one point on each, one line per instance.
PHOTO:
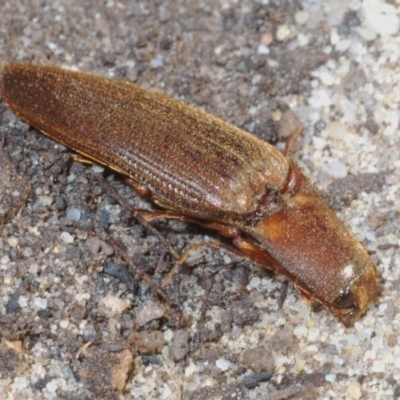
(194, 164)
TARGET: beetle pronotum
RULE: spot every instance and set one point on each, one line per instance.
(194, 164)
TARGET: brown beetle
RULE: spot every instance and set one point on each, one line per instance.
(196, 165)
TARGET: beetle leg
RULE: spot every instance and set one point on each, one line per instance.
(81, 159)
(195, 246)
(151, 215)
(244, 249)
(141, 190)
(260, 256)
(290, 141)
(227, 231)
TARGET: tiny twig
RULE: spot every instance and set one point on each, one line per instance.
(291, 139)
(82, 349)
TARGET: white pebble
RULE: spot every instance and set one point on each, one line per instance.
(168, 335)
(300, 331)
(165, 392)
(5, 260)
(336, 130)
(285, 33)
(255, 282)
(303, 39)
(114, 305)
(313, 334)
(335, 17)
(382, 24)
(64, 324)
(40, 303)
(97, 169)
(156, 62)
(378, 366)
(66, 237)
(227, 259)
(330, 377)
(370, 236)
(366, 33)
(302, 17)
(343, 45)
(71, 177)
(354, 391)
(223, 364)
(319, 143)
(256, 79)
(337, 169)
(12, 241)
(191, 369)
(327, 78)
(46, 200)
(22, 301)
(262, 49)
(52, 386)
(319, 99)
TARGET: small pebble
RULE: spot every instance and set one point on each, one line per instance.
(253, 380)
(89, 333)
(74, 214)
(147, 341)
(52, 386)
(46, 200)
(319, 143)
(180, 345)
(354, 391)
(12, 241)
(64, 324)
(383, 24)
(71, 177)
(156, 62)
(258, 360)
(66, 237)
(22, 301)
(263, 50)
(94, 245)
(285, 33)
(12, 307)
(40, 303)
(266, 39)
(148, 312)
(114, 306)
(366, 33)
(336, 130)
(223, 364)
(337, 169)
(302, 17)
(254, 282)
(119, 371)
(97, 169)
(330, 377)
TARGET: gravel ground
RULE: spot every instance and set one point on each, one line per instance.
(78, 322)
